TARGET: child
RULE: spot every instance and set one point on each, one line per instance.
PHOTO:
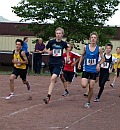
(116, 66)
(105, 69)
(70, 60)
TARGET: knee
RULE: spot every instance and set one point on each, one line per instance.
(53, 79)
(90, 88)
(84, 86)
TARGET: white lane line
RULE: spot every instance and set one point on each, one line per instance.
(27, 108)
(88, 115)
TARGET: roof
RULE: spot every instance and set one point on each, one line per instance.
(7, 28)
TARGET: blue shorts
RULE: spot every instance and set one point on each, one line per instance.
(55, 69)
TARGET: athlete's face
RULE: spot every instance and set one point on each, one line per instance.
(93, 39)
(59, 34)
(108, 49)
(118, 50)
(18, 45)
(69, 47)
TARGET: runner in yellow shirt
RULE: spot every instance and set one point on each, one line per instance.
(116, 66)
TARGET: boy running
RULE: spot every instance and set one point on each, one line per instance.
(70, 60)
(19, 60)
(91, 65)
(55, 49)
(105, 69)
(116, 66)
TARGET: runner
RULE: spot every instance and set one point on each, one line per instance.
(105, 69)
(116, 66)
(70, 60)
(55, 49)
(19, 61)
(91, 65)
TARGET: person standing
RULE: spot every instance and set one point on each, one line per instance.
(39, 49)
(91, 65)
(55, 50)
(19, 60)
(105, 69)
(25, 49)
(70, 61)
(116, 67)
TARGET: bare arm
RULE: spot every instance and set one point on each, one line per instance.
(24, 57)
(102, 59)
(48, 51)
(81, 58)
(101, 55)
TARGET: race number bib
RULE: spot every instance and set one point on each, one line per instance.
(91, 61)
(105, 65)
(57, 52)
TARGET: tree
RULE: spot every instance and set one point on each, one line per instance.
(78, 17)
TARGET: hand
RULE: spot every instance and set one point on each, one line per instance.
(98, 67)
(72, 64)
(79, 67)
(50, 52)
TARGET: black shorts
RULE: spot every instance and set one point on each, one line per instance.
(69, 76)
(89, 75)
(55, 69)
(21, 72)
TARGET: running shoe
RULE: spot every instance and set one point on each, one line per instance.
(9, 96)
(28, 87)
(87, 105)
(46, 100)
(66, 93)
(96, 100)
(112, 85)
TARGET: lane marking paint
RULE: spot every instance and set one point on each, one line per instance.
(88, 115)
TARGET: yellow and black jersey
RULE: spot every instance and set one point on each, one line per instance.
(18, 58)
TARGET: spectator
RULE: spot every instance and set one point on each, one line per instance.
(39, 49)
(25, 49)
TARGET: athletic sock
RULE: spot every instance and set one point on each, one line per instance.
(49, 96)
(66, 90)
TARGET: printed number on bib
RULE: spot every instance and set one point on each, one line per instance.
(91, 61)
(57, 52)
(105, 65)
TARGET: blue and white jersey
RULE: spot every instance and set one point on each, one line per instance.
(91, 60)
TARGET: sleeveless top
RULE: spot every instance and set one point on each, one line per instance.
(18, 57)
(91, 59)
(106, 64)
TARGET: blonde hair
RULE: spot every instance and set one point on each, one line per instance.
(71, 45)
(95, 33)
(59, 28)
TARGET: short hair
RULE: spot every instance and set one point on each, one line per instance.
(109, 44)
(25, 38)
(118, 48)
(61, 29)
(19, 40)
(95, 33)
(71, 45)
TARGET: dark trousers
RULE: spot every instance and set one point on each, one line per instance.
(37, 63)
(104, 75)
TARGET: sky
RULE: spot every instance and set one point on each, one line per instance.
(6, 12)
